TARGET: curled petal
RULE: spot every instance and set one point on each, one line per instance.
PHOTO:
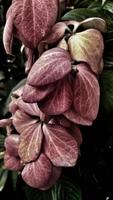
(8, 35)
(38, 173)
(72, 25)
(57, 33)
(5, 122)
(13, 105)
(94, 22)
(53, 65)
(11, 144)
(33, 94)
(29, 108)
(60, 147)
(29, 62)
(18, 92)
(63, 44)
(83, 48)
(12, 163)
(56, 173)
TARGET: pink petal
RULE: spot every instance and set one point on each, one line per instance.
(38, 173)
(76, 133)
(11, 144)
(30, 143)
(29, 62)
(87, 46)
(5, 122)
(34, 94)
(23, 122)
(86, 93)
(56, 173)
(12, 163)
(61, 120)
(75, 117)
(53, 65)
(13, 106)
(29, 108)
(8, 35)
(33, 19)
(57, 33)
(59, 146)
(95, 23)
(63, 44)
(18, 92)
(59, 100)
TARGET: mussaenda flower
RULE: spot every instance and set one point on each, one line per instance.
(39, 145)
(83, 40)
(57, 84)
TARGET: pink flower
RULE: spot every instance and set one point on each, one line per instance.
(40, 145)
(62, 87)
(79, 44)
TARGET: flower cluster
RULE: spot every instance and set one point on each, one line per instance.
(39, 145)
(61, 91)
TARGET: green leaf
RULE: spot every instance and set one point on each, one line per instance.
(95, 4)
(14, 177)
(2, 138)
(108, 51)
(109, 6)
(64, 189)
(104, 1)
(3, 178)
(80, 14)
(82, 3)
(106, 86)
(35, 194)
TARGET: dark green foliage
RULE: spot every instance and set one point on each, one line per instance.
(83, 13)
(64, 189)
(3, 177)
(106, 84)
